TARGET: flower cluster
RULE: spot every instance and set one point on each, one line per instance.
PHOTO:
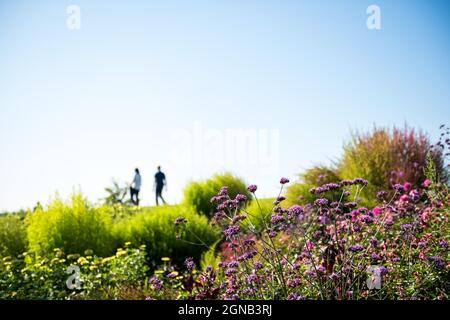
(328, 248)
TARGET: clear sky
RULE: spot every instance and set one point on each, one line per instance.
(169, 82)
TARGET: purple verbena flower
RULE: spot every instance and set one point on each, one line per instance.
(223, 191)
(437, 262)
(295, 296)
(241, 198)
(253, 278)
(156, 283)
(367, 219)
(277, 219)
(189, 263)
(230, 271)
(375, 256)
(405, 226)
(399, 187)
(293, 282)
(360, 181)
(231, 231)
(321, 202)
(356, 248)
(381, 195)
(249, 242)
(272, 234)
(180, 220)
(258, 265)
(295, 210)
(237, 218)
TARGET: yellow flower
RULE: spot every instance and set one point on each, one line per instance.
(120, 253)
(173, 274)
(82, 260)
(165, 259)
(106, 260)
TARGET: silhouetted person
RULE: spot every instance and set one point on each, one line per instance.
(135, 187)
(160, 182)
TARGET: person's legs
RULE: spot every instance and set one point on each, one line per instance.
(164, 201)
(132, 194)
(137, 197)
(159, 194)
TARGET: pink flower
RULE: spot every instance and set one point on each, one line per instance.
(425, 215)
(355, 214)
(427, 183)
(309, 245)
(404, 198)
(407, 186)
(377, 211)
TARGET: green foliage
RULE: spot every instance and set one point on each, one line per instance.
(199, 194)
(258, 214)
(210, 258)
(298, 193)
(76, 227)
(35, 277)
(155, 228)
(13, 236)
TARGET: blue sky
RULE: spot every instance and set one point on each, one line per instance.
(79, 107)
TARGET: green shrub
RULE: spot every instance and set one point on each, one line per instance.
(75, 227)
(298, 193)
(13, 236)
(199, 194)
(155, 228)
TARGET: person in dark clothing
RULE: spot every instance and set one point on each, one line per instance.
(160, 182)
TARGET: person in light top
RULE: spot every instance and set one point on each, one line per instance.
(135, 187)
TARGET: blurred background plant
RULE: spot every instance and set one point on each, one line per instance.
(385, 157)
(298, 192)
(13, 235)
(116, 194)
(198, 194)
(155, 228)
(75, 226)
